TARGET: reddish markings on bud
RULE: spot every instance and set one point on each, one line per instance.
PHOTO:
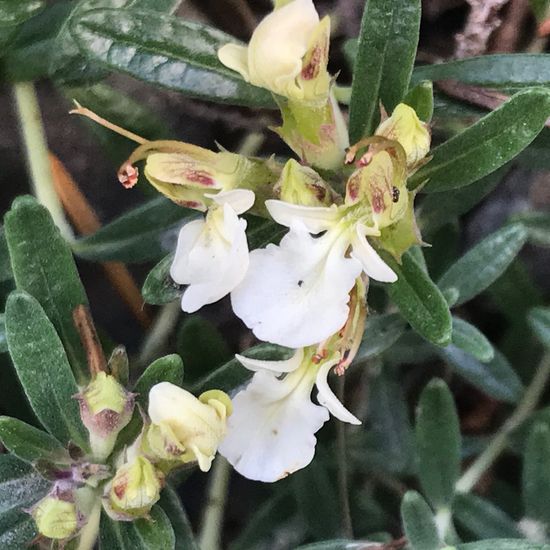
(319, 191)
(189, 204)
(353, 187)
(377, 200)
(128, 175)
(201, 177)
(120, 485)
(312, 68)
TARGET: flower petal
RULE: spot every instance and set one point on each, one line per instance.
(288, 365)
(235, 58)
(211, 257)
(314, 218)
(327, 398)
(240, 200)
(373, 265)
(296, 294)
(271, 431)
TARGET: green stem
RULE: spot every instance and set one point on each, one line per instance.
(37, 151)
(212, 521)
(499, 443)
(90, 531)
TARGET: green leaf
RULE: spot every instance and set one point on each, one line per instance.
(315, 495)
(20, 487)
(44, 267)
(261, 232)
(154, 533)
(501, 70)
(390, 444)
(419, 523)
(437, 209)
(421, 99)
(337, 544)
(484, 263)
(141, 235)
(166, 369)
(536, 475)
(201, 346)
(438, 444)
(6, 273)
(469, 339)
(487, 145)
(15, 12)
(20, 484)
(171, 504)
(30, 52)
(43, 368)
(164, 50)
(496, 378)
(537, 225)
(482, 518)
(29, 443)
(381, 332)
(503, 544)
(3, 341)
(232, 374)
(383, 65)
(420, 301)
(159, 288)
(539, 319)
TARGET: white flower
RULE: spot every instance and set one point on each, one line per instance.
(296, 294)
(212, 253)
(271, 432)
(276, 58)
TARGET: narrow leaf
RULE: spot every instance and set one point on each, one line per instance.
(496, 378)
(15, 12)
(164, 50)
(144, 234)
(482, 518)
(419, 523)
(539, 319)
(29, 443)
(420, 301)
(469, 339)
(44, 267)
(537, 225)
(383, 65)
(159, 288)
(501, 70)
(536, 476)
(484, 263)
(503, 544)
(381, 332)
(487, 145)
(171, 504)
(43, 368)
(438, 440)
(421, 99)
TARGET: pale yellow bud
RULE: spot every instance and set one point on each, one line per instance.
(134, 490)
(185, 428)
(302, 185)
(56, 518)
(405, 127)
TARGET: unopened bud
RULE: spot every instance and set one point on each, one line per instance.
(105, 408)
(56, 516)
(134, 490)
(303, 186)
(184, 428)
(406, 128)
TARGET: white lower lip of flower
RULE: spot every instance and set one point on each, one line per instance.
(297, 294)
(315, 218)
(271, 431)
(372, 263)
(211, 257)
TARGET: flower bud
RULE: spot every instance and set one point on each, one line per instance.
(134, 490)
(287, 54)
(382, 183)
(303, 186)
(184, 428)
(56, 516)
(405, 127)
(105, 408)
(190, 175)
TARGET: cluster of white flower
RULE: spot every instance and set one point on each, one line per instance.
(308, 292)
